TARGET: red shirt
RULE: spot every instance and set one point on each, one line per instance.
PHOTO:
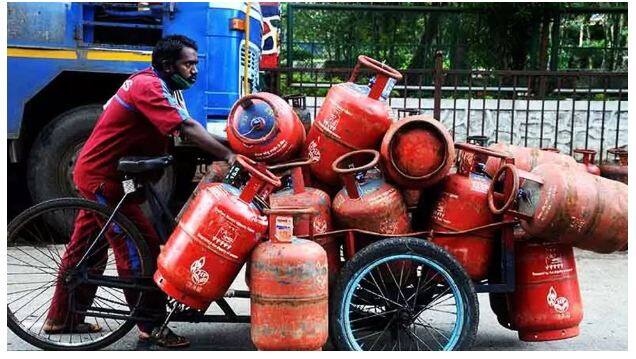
(136, 122)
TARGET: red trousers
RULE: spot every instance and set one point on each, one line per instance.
(127, 261)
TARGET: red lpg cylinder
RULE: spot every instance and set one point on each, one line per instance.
(546, 303)
(367, 202)
(527, 158)
(289, 290)
(462, 205)
(417, 152)
(306, 197)
(212, 240)
(264, 127)
(588, 161)
(616, 170)
(213, 177)
(565, 205)
(352, 117)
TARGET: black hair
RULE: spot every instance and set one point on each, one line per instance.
(169, 49)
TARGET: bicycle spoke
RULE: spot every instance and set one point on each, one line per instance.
(399, 288)
(38, 318)
(29, 302)
(37, 260)
(36, 248)
(29, 289)
(375, 315)
(387, 299)
(383, 331)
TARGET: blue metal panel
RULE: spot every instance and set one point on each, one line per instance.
(189, 21)
(40, 24)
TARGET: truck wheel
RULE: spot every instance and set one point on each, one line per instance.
(55, 150)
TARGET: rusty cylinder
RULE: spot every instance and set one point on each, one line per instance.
(616, 169)
(367, 202)
(302, 196)
(527, 158)
(417, 152)
(289, 291)
(564, 205)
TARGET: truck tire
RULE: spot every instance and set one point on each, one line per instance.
(52, 158)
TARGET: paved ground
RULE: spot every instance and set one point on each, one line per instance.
(603, 282)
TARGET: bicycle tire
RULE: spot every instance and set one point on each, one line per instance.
(30, 215)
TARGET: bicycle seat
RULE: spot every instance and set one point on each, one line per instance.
(139, 164)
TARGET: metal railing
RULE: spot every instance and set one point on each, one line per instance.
(560, 109)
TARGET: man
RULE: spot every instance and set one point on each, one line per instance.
(136, 122)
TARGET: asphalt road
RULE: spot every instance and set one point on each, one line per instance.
(602, 279)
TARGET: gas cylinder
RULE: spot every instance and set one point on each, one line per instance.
(299, 106)
(367, 202)
(213, 239)
(588, 161)
(546, 303)
(352, 117)
(616, 170)
(289, 290)
(564, 205)
(417, 152)
(307, 197)
(264, 127)
(463, 205)
(527, 158)
(212, 177)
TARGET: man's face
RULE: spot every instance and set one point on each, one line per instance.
(186, 66)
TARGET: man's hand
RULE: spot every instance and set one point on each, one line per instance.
(205, 141)
(230, 159)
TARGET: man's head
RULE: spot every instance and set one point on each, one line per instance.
(175, 58)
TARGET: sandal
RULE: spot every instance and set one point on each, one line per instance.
(165, 339)
(81, 328)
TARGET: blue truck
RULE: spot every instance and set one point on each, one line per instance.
(65, 60)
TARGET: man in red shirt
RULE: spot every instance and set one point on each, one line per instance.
(136, 122)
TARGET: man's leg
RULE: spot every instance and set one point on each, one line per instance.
(85, 229)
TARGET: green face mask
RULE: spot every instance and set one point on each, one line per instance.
(181, 83)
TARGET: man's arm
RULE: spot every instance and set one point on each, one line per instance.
(204, 140)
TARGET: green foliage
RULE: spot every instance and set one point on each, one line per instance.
(480, 36)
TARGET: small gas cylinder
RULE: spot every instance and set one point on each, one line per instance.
(546, 303)
(213, 239)
(588, 161)
(565, 205)
(527, 158)
(289, 290)
(307, 197)
(367, 202)
(264, 127)
(616, 170)
(463, 205)
(417, 152)
(352, 117)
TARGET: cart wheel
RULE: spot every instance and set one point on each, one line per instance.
(403, 294)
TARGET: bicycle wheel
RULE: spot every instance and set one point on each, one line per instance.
(35, 251)
(403, 294)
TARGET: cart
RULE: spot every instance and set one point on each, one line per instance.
(397, 292)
